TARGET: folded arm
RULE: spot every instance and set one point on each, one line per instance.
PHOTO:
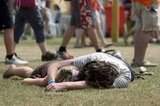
(53, 69)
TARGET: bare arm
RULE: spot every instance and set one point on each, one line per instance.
(53, 69)
(101, 6)
(66, 85)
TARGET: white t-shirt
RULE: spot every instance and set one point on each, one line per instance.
(125, 74)
(41, 3)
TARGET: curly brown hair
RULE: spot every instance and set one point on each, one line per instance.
(99, 74)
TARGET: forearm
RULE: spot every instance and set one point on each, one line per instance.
(76, 85)
(66, 85)
(52, 73)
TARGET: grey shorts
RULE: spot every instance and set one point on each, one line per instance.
(148, 20)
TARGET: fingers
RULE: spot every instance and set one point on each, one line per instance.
(50, 87)
(54, 87)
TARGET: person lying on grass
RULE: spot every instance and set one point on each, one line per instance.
(97, 70)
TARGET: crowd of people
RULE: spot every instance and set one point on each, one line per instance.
(97, 70)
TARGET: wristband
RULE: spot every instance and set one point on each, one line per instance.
(51, 81)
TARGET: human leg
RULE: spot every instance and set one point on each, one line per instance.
(22, 71)
(62, 52)
(9, 41)
(19, 26)
(34, 18)
(18, 31)
(7, 24)
(141, 40)
(79, 34)
(67, 35)
(99, 31)
(36, 22)
(92, 35)
(148, 21)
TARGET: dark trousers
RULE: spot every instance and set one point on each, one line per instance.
(34, 18)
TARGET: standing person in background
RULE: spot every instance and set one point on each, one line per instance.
(6, 24)
(34, 18)
(58, 13)
(135, 23)
(148, 16)
(96, 6)
(81, 17)
(44, 12)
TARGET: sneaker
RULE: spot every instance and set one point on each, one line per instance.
(15, 60)
(64, 55)
(145, 64)
(49, 56)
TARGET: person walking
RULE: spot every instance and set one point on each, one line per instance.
(148, 17)
(81, 17)
(6, 24)
(34, 18)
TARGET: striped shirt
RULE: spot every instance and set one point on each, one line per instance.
(125, 74)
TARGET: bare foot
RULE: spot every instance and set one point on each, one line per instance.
(8, 73)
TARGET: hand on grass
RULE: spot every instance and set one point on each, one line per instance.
(55, 87)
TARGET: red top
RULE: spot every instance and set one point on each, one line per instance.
(146, 2)
(95, 5)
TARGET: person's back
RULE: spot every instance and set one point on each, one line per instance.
(124, 70)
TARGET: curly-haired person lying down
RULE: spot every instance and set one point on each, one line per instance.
(97, 70)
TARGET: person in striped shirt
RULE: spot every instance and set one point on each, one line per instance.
(97, 70)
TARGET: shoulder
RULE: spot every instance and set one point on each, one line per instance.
(120, 83)
(123, 80)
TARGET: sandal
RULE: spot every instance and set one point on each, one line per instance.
(145, 64)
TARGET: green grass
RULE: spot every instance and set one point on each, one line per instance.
(139, 93)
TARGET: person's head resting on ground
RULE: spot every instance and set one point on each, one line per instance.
(99, 74)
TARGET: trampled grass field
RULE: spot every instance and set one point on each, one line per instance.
(139, 93)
